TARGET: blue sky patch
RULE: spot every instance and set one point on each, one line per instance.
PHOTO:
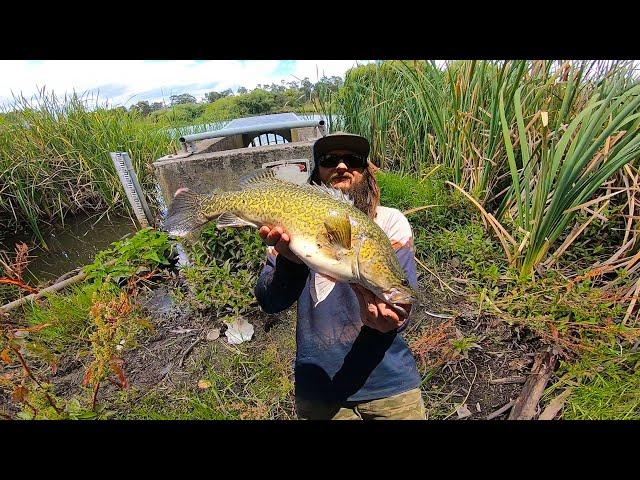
(285, 67)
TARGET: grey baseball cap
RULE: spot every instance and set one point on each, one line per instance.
(341, 141)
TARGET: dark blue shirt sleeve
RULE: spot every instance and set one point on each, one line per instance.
(280, 283)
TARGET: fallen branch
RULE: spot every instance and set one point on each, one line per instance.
(53, 288)
(527, 402)
(184, 355)
(500, 411)
(555, 406)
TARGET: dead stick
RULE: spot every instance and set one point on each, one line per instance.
(527, 402)
(506, 380)
(95, 397)
(184, 355)
(53, 288)
(501, 410)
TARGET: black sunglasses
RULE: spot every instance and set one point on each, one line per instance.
(351, 160)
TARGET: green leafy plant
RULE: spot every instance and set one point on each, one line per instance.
(225, 268)
(463, 345)
(146, 251)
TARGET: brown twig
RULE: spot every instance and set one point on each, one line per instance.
(184, 355)
(28, 371)
(95, 396)
(25, 366)
(18, 283)
(500, 411)
(35, 411)
(442, 282)
(507, 380)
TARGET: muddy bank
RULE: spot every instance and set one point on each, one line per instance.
(484, 373)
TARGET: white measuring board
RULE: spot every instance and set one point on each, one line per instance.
(131, 186)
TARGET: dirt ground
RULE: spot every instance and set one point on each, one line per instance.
(480, 377)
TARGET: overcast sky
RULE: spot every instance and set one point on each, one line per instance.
(126, 82)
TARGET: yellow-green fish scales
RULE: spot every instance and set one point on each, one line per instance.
(311, 217)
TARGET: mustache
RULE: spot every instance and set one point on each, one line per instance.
(340, 176)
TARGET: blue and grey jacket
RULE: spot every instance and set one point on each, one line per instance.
(338, 358)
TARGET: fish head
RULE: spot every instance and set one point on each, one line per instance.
(400, 294)
(384, 276)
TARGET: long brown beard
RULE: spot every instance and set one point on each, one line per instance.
(366, 194)
(361, 195)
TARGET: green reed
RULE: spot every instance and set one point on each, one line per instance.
(471, 117)
(54, 157)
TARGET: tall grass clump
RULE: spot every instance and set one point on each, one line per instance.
(372, 103)
(530, 142)
(557, 167)
(54, 157)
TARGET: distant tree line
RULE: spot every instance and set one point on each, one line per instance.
(216, 106)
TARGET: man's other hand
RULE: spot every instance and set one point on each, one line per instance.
(376, 313)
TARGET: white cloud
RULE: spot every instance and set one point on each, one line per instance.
(124, 82)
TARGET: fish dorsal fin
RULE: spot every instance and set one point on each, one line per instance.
(228, 219)
(333, 192)
(260, 177)
(339, 230)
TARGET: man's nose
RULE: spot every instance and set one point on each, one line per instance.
(342, 167)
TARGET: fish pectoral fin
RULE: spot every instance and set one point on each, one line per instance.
(321, 287)
(228, 219)
(338, 231)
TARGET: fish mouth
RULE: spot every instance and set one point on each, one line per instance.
(399, 310)
(396, 297)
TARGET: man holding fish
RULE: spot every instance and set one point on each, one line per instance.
(351, 361)
(346, 260)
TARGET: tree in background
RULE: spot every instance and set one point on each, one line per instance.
(215, 106)
(306, 87)
(257, 102)
(142, 107)
(330, 83)
(211, 97)
(182, 99)
(145, 109)
(222, 109)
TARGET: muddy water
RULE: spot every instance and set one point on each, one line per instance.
(70, 246)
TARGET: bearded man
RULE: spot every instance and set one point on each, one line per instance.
(351, 359)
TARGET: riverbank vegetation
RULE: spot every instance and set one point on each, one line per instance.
(520, 180)
(54, 151)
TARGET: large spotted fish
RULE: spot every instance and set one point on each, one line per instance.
(334, 238)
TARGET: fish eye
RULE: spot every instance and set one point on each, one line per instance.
(405, 282)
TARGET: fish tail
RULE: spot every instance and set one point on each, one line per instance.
(186, 213)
